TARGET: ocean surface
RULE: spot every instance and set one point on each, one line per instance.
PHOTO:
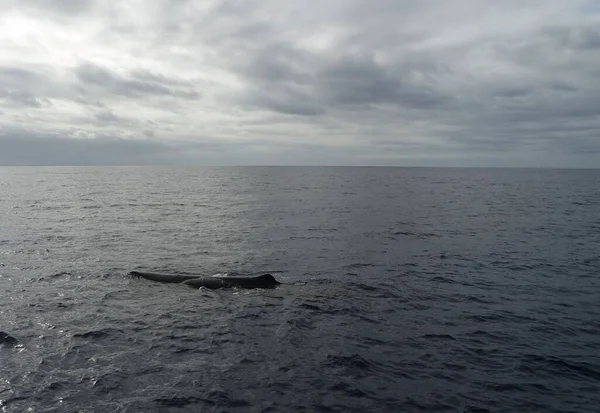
(405, 290)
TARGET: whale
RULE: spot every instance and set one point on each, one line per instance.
(213, 282)
(6, 340)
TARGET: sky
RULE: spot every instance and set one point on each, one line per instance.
(508, 83)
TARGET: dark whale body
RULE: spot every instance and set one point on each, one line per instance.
(6, 340)
(214, 282)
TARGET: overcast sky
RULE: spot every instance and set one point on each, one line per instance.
(328, 82)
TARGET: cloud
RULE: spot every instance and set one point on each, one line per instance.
(138, 85)
(25, 85)
(79, 147)
(61, 7)
(22, 148)
(263, 81)
(22, 99)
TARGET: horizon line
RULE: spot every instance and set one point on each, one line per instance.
(290, 166)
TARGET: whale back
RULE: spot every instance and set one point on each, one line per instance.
(164, 278)
(261, 281)
(214, 282)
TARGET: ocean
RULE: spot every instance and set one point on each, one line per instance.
(404, 290)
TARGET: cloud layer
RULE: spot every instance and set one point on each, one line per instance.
(474, 83)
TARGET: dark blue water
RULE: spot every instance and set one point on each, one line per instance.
(417, 290)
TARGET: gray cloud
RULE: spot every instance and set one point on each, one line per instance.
(20, 84)
(66, 7)
(22, 98)
(352, 81)
(283, 99)
(140, 84)
(512, 82)
(107, 116)
(22, 148)
(584, 38)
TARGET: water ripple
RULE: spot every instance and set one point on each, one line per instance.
(403, 290)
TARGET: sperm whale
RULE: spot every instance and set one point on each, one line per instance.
(212, 282)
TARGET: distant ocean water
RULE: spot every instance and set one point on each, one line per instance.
(406, 290)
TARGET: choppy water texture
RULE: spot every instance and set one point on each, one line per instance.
(414, 290)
